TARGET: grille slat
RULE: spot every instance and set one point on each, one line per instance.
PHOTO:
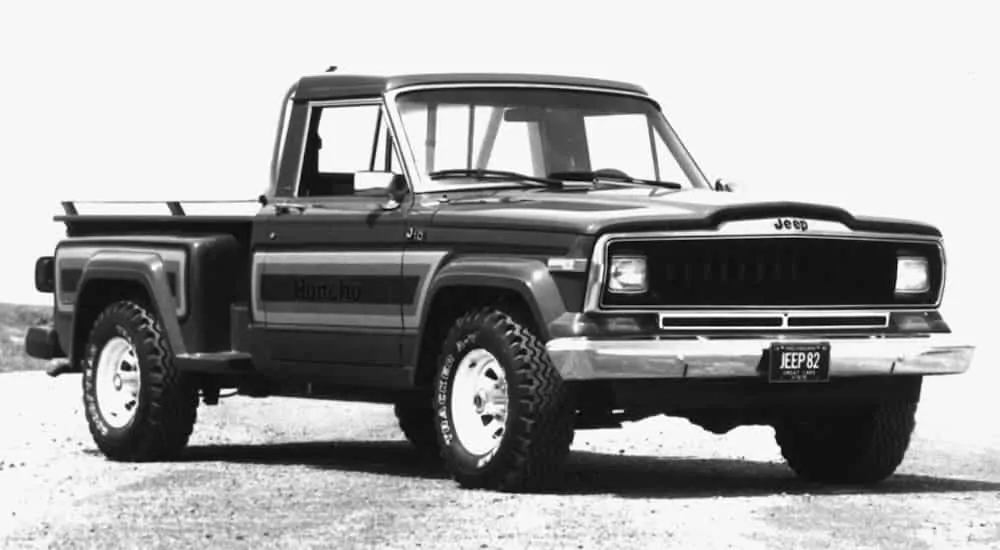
(791, 272)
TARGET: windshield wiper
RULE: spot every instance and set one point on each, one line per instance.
(611, 175)
(487, 174)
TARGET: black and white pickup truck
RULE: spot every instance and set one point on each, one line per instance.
(506, 259)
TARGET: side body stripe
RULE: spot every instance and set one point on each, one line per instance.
(70, 261)
(382, 289)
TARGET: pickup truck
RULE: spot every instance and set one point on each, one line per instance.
(505, 259)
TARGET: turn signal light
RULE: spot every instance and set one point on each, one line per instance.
(916, 321)
(622, 325)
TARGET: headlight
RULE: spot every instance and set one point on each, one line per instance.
(912, 275)
(627, 275)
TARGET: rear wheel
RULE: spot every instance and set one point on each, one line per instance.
(137, 405)
(503, 415)
(860, 448)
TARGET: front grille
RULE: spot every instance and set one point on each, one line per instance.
(731, 321)
(773, 272)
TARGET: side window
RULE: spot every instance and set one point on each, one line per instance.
(339, 143)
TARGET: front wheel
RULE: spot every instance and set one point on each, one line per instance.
(504, 418)
(138, 406)
(863, 447)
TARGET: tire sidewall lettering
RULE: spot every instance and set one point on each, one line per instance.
(539, 424)
(449, 362)
(109, 328)
(167, 402)
(90, 393)
(472, 339)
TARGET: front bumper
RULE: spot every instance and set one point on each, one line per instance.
(580, 358)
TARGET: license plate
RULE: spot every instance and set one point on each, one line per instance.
(799, 362)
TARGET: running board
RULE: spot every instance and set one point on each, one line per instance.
(220, 362)
(223, 362)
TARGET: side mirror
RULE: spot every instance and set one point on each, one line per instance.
(729, 186)
(397, 187)
(394, 185)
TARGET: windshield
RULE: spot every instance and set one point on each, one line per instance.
(540, 133)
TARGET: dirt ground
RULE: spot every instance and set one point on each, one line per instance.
(293, 473)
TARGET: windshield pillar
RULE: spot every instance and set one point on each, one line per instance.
(652, 149)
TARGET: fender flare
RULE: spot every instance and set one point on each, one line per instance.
(145, 268)
(529, 278)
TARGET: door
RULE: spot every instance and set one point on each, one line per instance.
(330, 285)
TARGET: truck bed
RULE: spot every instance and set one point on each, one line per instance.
(208, 284)
(97, 218)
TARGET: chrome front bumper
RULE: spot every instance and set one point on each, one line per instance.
(587, 359)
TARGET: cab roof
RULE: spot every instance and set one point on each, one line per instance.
(339, 86)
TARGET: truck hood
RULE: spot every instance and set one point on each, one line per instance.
(593, 211)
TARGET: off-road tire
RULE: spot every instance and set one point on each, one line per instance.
(539, 425)
(167, 403)
(417, 424)
(858, 449)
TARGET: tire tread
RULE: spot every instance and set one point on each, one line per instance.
(544, 433)
(172, 402)
(864, 451)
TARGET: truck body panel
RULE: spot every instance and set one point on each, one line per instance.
(377, 258)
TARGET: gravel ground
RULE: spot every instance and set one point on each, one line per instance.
(287, 473)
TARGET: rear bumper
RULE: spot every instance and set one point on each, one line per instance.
(42, 342)
(737, 358)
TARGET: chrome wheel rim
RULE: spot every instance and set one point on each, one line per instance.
(479, 402)
(117, 382)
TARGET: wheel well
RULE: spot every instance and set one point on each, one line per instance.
(451, 302)
(93, 299)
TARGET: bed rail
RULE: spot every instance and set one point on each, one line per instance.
(160, 208)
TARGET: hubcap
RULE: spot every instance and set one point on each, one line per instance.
(117, 382)
(479, 402)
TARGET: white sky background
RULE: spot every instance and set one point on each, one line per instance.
(889, 108)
